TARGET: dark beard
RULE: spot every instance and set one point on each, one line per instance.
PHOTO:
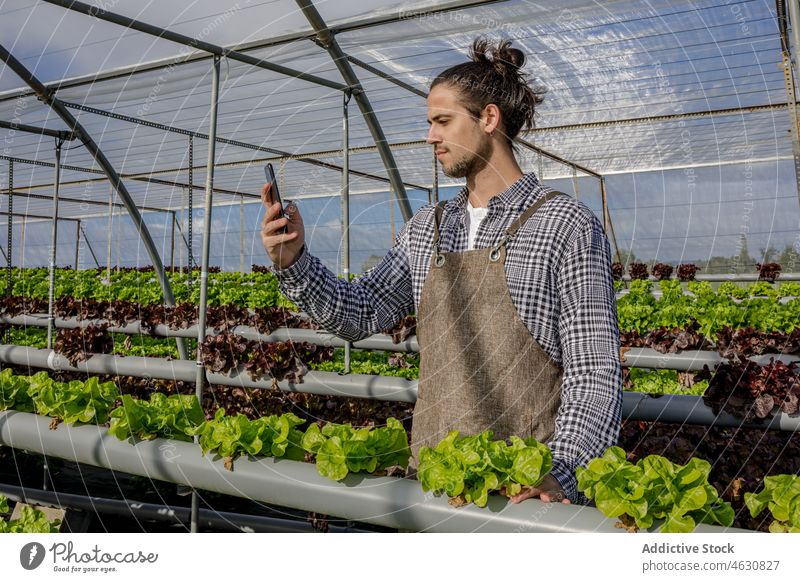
(470, 165)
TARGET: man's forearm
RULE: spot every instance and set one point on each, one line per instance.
(351, 310)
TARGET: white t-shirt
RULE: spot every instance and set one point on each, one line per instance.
(474, 218)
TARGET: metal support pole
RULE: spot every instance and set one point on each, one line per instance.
(52, 255)
(180, 232)
(787, 44)
(108, 234)
(346, 208)
(608, 226)
(575, 183)
(172, 241)
(89, 245)
(51, 292)
(201, 320)
(22, 242)
(118, 262)
(185, 245)
(391, 217)
(241, 234)
(77, 243)
(541, 167)
(794, 24)
(189, 213)
(10, 246)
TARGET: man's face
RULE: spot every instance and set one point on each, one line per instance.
(462, 146)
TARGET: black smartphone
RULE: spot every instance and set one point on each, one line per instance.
(276, 196)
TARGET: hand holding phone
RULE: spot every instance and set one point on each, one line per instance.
(276, 195)
(283, 244)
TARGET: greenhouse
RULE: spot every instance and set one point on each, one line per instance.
(155, 375)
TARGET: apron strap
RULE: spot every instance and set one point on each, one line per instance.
(515, 226)
(437, 220)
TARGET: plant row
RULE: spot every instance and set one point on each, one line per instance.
(669, 324)
(741, 458)
(245, 289)
(705, 312)
(740, 387)
(338, 449)
(685, 272)
(181, 316)
(467, 469)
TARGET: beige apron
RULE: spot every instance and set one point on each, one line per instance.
(480, 368)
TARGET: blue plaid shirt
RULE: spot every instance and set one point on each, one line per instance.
(558, 270)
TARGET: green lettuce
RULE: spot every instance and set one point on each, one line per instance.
(341, 449)
(467, 469)
(75, 401)
(781, 495)
(177, 416)
(652, 489)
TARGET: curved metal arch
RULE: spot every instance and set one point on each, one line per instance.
(48, 96)
(327, 40)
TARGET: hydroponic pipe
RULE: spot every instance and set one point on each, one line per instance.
(388, 388)
(686, 360)
(101, 364)
(636, 406)
(323, 383)
(388, 501)
(170, 513)
(683, 408)
(318, 337)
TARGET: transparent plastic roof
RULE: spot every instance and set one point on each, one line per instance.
(708, 71)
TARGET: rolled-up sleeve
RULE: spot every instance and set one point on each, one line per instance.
(588, 419)
(352, 310)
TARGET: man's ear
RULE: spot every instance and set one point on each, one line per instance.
(491, 118)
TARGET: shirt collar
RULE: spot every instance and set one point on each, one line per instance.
(519, 195)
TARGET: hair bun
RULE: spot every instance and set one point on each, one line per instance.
(508, 57)
(503, 57)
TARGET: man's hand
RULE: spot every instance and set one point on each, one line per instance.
(548, 491)
(283, 249)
